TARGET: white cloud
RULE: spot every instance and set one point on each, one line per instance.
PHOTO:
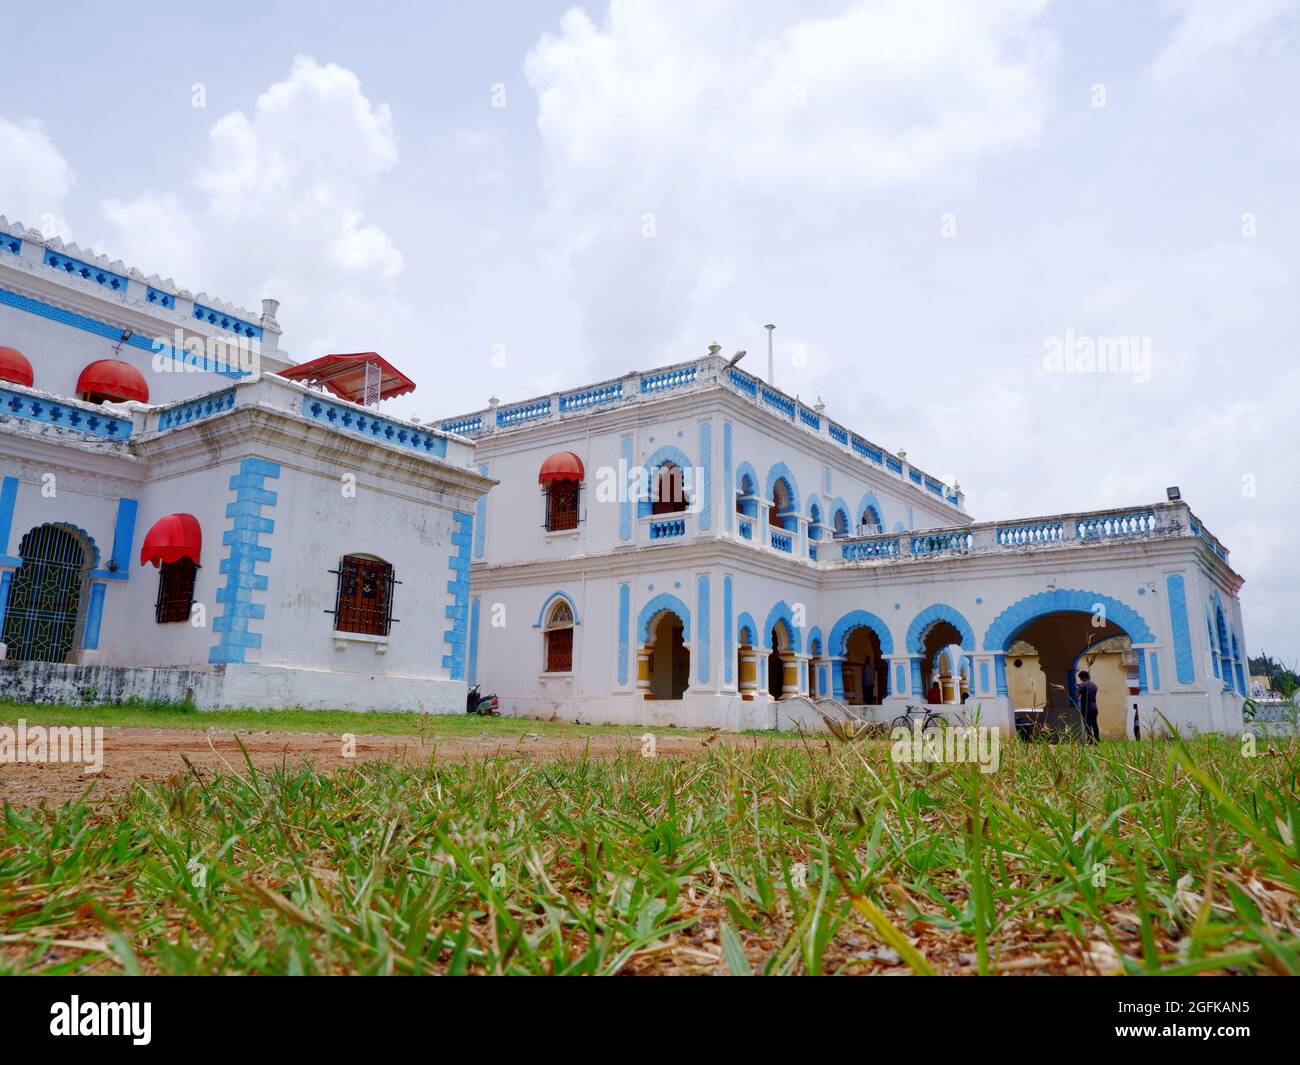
(672, 130)
(1208, 30)
(285, 192)
(160, 222)
(35, 179)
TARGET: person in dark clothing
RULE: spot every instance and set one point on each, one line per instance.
(935, 694)
(868, 684)
(1088, 706)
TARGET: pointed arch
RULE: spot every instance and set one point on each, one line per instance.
(1001, 632)
(662, 603)
(856, 619)
(666, 455)
(781, 472)
(781, 612)
(933, 614)
(550, 602)
(870, 504)
(745, 625)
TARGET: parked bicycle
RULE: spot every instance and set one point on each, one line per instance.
(927, 717)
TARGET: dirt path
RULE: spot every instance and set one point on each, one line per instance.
(155, 754)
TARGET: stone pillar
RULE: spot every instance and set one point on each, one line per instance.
(747, 681)
(643, 671)
(789, 675)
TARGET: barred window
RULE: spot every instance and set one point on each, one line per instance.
(364, 601)
(559, 639)
(562, 505)
(175, 590)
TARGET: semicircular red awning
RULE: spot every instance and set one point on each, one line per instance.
(562, 466)
(113, 379)
(171, 539)
(15, 367)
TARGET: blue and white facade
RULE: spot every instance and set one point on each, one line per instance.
(809, 563)
(283, 481)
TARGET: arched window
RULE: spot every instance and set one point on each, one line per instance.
(561, 479)
(668, 490)
(841, 525)
(871, 523)
(814, 522)
(745, 497)
(558, 635)
(364, 600)
(780, 504)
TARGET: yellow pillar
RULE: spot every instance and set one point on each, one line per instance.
(643, 672)
(748, 673)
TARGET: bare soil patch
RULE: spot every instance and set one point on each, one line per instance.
(159, 753)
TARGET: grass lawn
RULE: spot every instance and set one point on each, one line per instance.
(332, 722)
(776, 857)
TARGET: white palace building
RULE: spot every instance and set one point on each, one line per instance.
(687, 545)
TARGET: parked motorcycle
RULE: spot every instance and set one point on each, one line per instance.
(483, 705)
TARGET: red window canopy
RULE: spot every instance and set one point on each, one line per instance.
(114, 380)
(345, 375)
(15, 367)
(171, 539)
(562, 466)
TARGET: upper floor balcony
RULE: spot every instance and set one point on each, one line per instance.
(710, 372)
(1159, 521)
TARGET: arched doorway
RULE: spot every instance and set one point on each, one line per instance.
(1070, 629)
(779, 661)
(746, 662)
(670, 658)
(814, 658)
(866, 673)
(937, 667)
(45, 611)
(781, 505)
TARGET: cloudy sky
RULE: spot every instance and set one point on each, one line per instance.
(927, 198)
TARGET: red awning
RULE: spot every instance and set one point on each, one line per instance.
(172, 538)
(113, 379)
(15, 367)
(345, 375)
(562, 466)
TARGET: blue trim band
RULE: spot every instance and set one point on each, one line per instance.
(94, 616)
(8, 500)
(457, 611)
(243, 538)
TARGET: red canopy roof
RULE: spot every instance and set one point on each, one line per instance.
(15, 367)
(562, 466)
(114, 379)
(345, 375)
(172, 538)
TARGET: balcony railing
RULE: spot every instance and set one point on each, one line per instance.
(1160, 521)
(709, 372)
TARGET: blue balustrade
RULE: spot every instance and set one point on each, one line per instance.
(464, 426)
(782, 403)
(525, 412)
(1116, 526)
(592, 397)
(935, 543)
(870, 549)
(746, 529)
(1042, 532)
(782, 542)
(662, 382)
(663, 530)
(744, 382)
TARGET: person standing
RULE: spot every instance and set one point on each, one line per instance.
(1088, 706)
(868, 684)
